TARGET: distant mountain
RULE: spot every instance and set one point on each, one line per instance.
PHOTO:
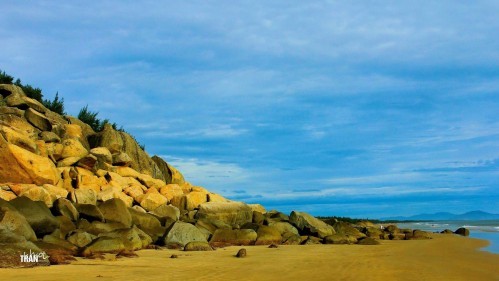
(473, 215)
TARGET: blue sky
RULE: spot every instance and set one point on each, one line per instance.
(363, 109)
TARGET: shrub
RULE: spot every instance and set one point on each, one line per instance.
(5, 78)
(90, 118)
(30, 91)
(55, 105)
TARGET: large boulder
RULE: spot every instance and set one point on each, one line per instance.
(104, 245)
(132, 238)
(167, 211)
(232, 213)
(309, 225)
(418, 234)
(163, 167)
(171, 190)
(64, 207)
(116, 210)
(90, 212)
(22, 166)
(97, 227)
(17, 137)
(227, 237)
(462, 231)
(268, 235)
(81, 238)
(38, 120)
(182, 233)
(37, 214)
(147, 223)
(12, 246)
(198, 246)
(73, 148)
(347, 229)
(14, 222)
(152, 200)
(33, 192)
(340, 238)
(117, 141)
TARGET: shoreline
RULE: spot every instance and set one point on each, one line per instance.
(444, 257)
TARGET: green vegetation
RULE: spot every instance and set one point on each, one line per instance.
(90, 118)
(57, 105)
(333, 219)
(5, 78)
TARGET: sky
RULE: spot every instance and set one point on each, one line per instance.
(349, 108)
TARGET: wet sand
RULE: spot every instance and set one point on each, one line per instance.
(446, 257)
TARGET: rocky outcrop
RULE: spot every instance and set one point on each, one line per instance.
(232, 213)
(228, 237)
(22, 166)
(182, 233)
(37, 214)
(13, 245)
(306, 223)
(118, 142)
(462, 231)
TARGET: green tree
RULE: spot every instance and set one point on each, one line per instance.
(55, 105)
(5, 78)
(90, 118)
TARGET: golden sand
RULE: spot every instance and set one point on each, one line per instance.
(446, 257)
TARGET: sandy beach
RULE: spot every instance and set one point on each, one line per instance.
(446, 257)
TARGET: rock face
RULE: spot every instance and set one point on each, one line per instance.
(306, 223)
(117, 141)
(116, 210)
(12, 246)
(182, 233)
(37, 214)
(14, 222)
(227, 237)
(22, 166)
(462, 231)
(232, 213)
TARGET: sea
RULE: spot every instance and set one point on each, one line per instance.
(482, 229)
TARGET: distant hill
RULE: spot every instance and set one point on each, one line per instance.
(473, 215)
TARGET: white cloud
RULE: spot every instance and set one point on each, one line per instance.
(213, 175)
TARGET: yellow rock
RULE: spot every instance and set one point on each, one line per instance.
(22, 166)
(150, 182)
(73, 131)
(54, 150)
(110, 192)
(257, 208)
(42, 148)
(186, 187)
(20, 124)
(18, 138)
(177, 177)
(67, 162)
(84, 196)
(213, 197)
(199, 188)
(134, 191)
(33, 192)
(127, 172)
(73, 148)
(152, 200)
(194, 199)
(55, 192)
(89, 182)
(7, 195)
(171, 190)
